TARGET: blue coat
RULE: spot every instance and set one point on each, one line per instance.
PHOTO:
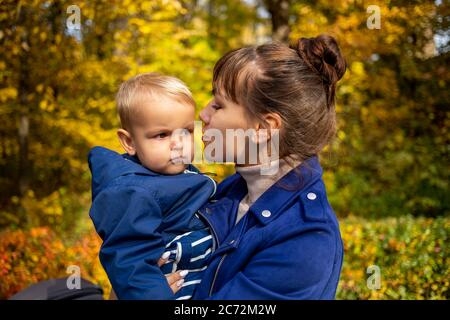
(137, 212)
(287, 246)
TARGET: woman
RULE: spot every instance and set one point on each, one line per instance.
(276, 236)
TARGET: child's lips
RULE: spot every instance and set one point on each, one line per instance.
(177, 160)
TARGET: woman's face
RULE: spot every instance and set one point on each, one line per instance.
(222, 114)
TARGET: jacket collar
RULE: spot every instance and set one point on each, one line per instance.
(222, 213)
(106, 165)
(272, 202)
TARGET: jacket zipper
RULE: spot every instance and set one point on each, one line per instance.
(215, 245)
(215, 274)
(215, 238)
(221, 261)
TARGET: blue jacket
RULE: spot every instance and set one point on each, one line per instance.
(287, 246)
(137, 212)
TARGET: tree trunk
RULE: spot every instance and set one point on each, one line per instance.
(24, 180)
(23, 130)
(279, 11)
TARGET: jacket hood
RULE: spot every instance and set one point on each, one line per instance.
(106, 165)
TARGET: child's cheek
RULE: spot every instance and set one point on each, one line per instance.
(158, 153)
(162, 150)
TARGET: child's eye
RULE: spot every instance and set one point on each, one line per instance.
(161, 135)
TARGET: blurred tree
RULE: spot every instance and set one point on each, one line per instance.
(391, 155)
(31, 82)
(279, 13)
(229, 22)
(57, 88)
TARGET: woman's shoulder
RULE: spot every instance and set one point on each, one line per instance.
(314, 203)
(307, 209)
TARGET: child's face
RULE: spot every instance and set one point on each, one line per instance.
(156, 134)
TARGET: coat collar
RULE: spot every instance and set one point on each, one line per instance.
(221, 214)
(106, 165)
(272, 202)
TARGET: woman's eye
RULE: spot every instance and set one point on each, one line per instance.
(216, 106)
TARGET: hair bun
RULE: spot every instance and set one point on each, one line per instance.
(322, 54)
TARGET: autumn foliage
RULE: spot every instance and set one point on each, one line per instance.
(386, 171)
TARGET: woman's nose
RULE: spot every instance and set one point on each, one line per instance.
(205, 114)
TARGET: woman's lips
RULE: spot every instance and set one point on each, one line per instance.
(205, 136)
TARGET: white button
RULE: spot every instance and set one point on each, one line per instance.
(266, 213)
(311, 196)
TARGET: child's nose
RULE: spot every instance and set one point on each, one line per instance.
(176, 144)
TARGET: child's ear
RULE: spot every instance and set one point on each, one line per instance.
(126, 141)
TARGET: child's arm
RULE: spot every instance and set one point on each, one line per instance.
(127, 219)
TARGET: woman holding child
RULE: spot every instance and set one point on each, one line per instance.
(273, 236)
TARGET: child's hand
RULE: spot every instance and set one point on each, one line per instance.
(175, 279)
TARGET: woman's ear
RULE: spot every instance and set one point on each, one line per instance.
(273, 123)
(126, 141)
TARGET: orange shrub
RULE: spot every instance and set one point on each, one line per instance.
(27, 257)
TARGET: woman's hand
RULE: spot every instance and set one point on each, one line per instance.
(175, 279)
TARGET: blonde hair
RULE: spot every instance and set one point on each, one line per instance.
(151, 83)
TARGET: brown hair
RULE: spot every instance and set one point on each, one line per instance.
(297, 82)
